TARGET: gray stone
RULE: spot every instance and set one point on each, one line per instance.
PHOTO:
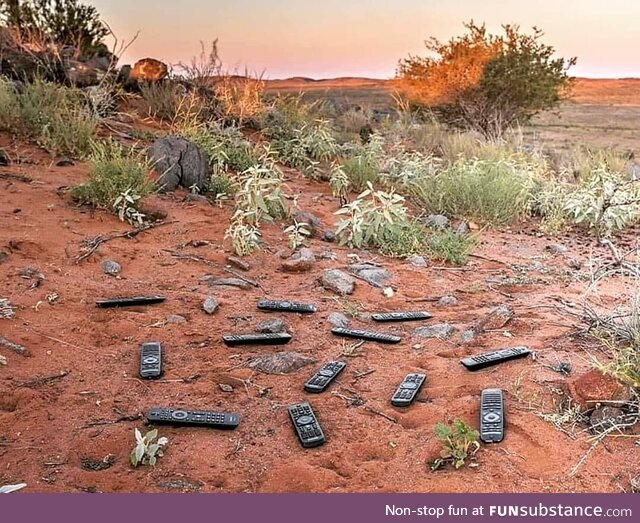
(239, 263)
(439, 330)
(604, 418)
(311, 220)
(225, 388)
(175, 318)
(496, 319)
(417, 261)
(280, 362)
(65, 161)
(180, 163)
(111, 267)
(448, 301)
(338, 281)
(226, 282)
(272, 325)
(462, 229)
(436, 221)
(4, 159)
(374, 276)
(210, 305)
(301, 261)
(329, 236)
(556, 248)
(574, 263)
(337, 319)
(467, 336)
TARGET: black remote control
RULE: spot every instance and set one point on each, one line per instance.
(150, 360)
(401, 316)
(126, 302)
(286, 306)
(325, 375)
(306, 425)
(216, 420)
(492, 358)
(277, 338)
(366, 335)
(408, 390)
(492, 416)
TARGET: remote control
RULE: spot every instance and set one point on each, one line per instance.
(492, 358)
(286, 306)
(306, 425)
(126, 302)
(401, 316)
(150, 360)
(408, 390)
(325, 375)
(216, 420)
(366, 335)
(277, 338)
(491, 416)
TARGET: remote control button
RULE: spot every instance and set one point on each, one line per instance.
(304, 420)
(326, 372)
(150, 360)
(491, 417)
(410, 385)
(179, 415)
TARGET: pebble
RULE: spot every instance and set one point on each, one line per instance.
(111, 267)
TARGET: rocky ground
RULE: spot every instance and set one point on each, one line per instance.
(70, 397)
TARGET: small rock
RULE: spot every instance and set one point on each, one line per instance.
(496, 319)
(324, 255)
(436, 221)
(110, 267)
(175, 318)
(467, 336)
(338, 281)
(65, 161)
(417, 261)
(556, 248)
(283, 254)
(311, 220)
(593, 387)
(462, 229)
(448, 301)
(3, 360)
(574, 263)
(439, 330)
(387, 292)
(239, 263)
(226, 282)
(329, 236)
(210, 305)
(272, 325)
(3, 256)
(225, 388)
(301, 261)
(280, 362)
(603, 418)
(4, 159)
(337, 319)
(180, 484)
(374, 276)
(179, 162)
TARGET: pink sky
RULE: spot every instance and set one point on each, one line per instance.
(329, 38)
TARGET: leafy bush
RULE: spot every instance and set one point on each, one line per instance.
(259, 194)
(56, 117)
(220, 186)
(458, 443)
(339, 183)
(368, 216)
(363, 163)
(147, 449)
(488, 191)
(486, 82)
(403, 239)
(299, 234)
(245, 238)
(117, 181)
(449, 247)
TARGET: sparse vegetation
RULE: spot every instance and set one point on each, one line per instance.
(450, 247)
(459, 442)
(363, 163)
(148, 448)
(299, 234)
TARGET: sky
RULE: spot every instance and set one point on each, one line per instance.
(332, 38)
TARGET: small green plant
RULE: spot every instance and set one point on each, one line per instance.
(404, 239)
(299, 234)
(339, 183)
(260, 195)
(220, 187)
(368, 216)
(162, 98)
(126, 207)
(148, 448)
(118, 174)
(245, 238)
(449, 247)
(363, 163)
(458, 443)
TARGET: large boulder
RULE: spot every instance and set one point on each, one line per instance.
(149, 70)
(180, 163)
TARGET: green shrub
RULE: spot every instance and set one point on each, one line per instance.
(56, 117)
(220, 186)
(363, 162)
(162, 98)
(458, 443)
(449, 247)
(403, 239)
(118, 179)
(495, 192)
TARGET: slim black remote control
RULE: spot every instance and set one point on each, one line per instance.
(277, 338)
(401, 316)
(325, 375)
(492, 416)
(286, 306)
(216, 420)
(366, 335)
(126, 302)
(150, 360)
(408, 390)
(492, 358)
(306, 425)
